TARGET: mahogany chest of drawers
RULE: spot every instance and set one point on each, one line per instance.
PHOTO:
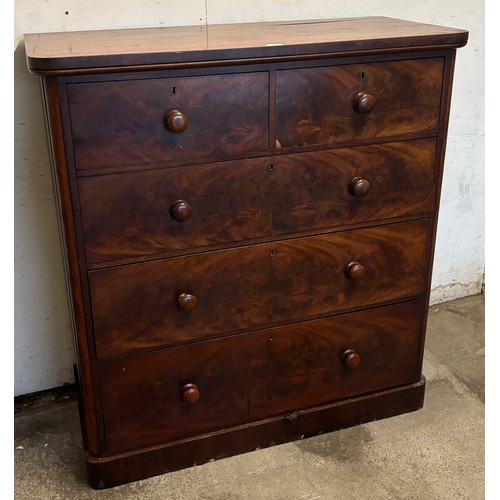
(249, 215)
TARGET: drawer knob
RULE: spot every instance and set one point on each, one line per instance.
(359, 187)
(181, 210)
(176, 121)
(364, 102)
(351, 358)
(355, 270)
(190, 393)
(187, 301)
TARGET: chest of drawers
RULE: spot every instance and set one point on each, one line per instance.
(248, 215)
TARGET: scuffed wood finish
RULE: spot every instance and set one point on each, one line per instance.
(135, 307)
(317, 105)
(123, 123)
(105, 49)
(251, 376)
(129, 215)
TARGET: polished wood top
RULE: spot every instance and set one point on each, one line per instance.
(71, 51)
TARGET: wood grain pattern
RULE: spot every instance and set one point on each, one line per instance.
(256, 375)
(109, 471)
(302, 365)
(315, 105)
(312, 189)
(134, 307)
(143, 395)
(127, 215)
(250, 214)
(110, 48)
(123, 123)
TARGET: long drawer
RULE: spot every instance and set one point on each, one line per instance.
(176, 393)
(186, 299)
(144, 214)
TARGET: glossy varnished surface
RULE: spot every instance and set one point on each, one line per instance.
(317, 105)
(312, 189)
(128, 215)
(107, 48)
(123, 123)
(135, 307)
(250, 214)
(256, 375)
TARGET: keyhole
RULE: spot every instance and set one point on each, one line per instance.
(271, 252)
(362, 75)
(174, 90)
(271, 167)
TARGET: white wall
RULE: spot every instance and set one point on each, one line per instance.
(43, 343)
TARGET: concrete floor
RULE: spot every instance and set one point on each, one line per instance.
(434, 453)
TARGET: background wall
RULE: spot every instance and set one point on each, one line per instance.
(43, 343)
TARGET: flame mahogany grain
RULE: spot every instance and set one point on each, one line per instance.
(258, 375)
(315, 105)
(128, 215)
(249, 215)
(135, 306)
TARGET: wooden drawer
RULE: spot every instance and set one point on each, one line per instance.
(170, 302)
(351, 185)
(357, 101)
(142, 396)
(125, 122)
(135, 214)
(257, 375)
(316, 362)
(160, 211)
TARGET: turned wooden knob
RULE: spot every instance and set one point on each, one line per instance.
(176, 121)
(355, 270)
(186, 301)
(351, 358)
(364, 102)
(190, 393)
(181, 210)
(359, 187)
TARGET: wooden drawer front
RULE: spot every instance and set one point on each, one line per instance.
(144, 306)
(124, 122)
(306, 364)
(134, 214)
(137, 214)
(318, 105)
(257, 375)
(142, 396)
(344, 186)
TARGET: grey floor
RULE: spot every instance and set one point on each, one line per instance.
(434, 453)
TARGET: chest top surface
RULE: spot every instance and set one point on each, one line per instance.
(68, 52)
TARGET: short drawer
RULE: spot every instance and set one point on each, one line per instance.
(134, 122)
(181, 392)
(148, 399)
(321, 361)
(185, 299)
(357, 101)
